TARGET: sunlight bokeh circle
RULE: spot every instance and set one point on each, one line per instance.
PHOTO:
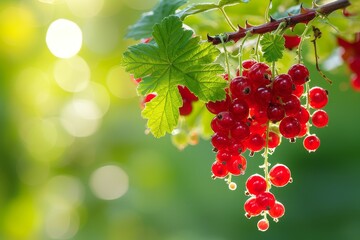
(64, 38)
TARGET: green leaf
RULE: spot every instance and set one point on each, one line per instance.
(272, 46)
(143, 28)
(223, 3)
(204, 7)
(176, 58)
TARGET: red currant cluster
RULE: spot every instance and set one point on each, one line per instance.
(351, 55)
(258, 111)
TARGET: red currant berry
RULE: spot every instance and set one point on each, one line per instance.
(237, 165)
(291, 41)
(291, 105)
(219, 106)
(263, 225)
(248, 63)
(260, 74)
(215, 126)
(299, 74)
(303, 115)
(147, 99)
(274, 140)
(311, 143)
(318, 97)
(265, 200)
(251, 208)
(283, 85)
(220, 141)
(219, 169)
(289, 127)
(240, 109)
(223, 156)
(303, 131)
(298, 91)
(277, 211)
(255, 142)
(185, 93)
(256, 184)
(280, 175)
(240, 131)
(186, 108)
(275, 112)
(225, 119)
(320, 118)
(240, 87)
(263, 96)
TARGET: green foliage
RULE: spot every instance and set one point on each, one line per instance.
(143, 28)
(177, 58)
(272, 46)
(204, 7)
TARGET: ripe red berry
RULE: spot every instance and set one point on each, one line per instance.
(274, 140)
(263, 225)
(265, 200)
(260, 74)
(186, 94)
(225, 119)
(248, 63)
(280, 175)
(220, 141)
(299, 74)
(355, 82)
(303, 115)
(240, 109)
(318, 97)
(219, 169)
(256, 184)
(255, 142)
(275, 112)
(289, 127)
(298, 91)
(240, 131)
(215, 126)
(262, 96)
(311, 143)
(237, 165)
(219, 106)
(186, 108)
(240, 87)
(291, 41)
(320, 118)
(251, 208)
(291, 105)
(147, 99)
(277, 211)
(223, 156)
(283, 85)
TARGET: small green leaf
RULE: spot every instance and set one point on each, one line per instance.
(272, 46)
(176, 58)
(143, 27)
(196, 8)
(223, 3)
(204, 7)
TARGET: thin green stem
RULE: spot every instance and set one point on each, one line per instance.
(303, 35)
(267, 18)
(226, 59)
(227, 19)
(257, 49)
(240, 53)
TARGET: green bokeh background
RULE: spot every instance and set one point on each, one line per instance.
(45, 172)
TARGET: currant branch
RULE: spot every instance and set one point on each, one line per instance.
(305, 16)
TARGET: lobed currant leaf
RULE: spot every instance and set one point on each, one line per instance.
(176, 58)
(223, 3)
(144, 26)
(272, 46)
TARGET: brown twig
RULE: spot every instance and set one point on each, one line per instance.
(305, 16)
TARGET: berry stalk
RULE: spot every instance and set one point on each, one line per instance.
(304, 16)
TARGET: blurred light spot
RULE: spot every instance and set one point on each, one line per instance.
(39, 137)
(50, 1)
(119, 83)
(80, 117)
(21, 219)
(85, 8)
(101, 35)
(64, 38)
(140, 4)
(61, 223)
(98, 94)
(33, 173)
(17, 28)
(109, 182)
(73, 74)
(65, 191)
